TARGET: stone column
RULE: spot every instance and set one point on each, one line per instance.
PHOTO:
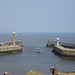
(57, 41)
(14, 38)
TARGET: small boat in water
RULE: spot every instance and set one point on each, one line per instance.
(38, 50)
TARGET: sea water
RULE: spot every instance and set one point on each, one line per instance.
(21, 63)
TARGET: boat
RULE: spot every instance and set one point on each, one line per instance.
(38, 50)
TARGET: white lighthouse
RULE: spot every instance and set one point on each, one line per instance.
(14, 38)
(57, 43)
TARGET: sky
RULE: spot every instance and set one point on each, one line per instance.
(37, 15)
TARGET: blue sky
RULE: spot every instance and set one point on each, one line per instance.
(37, 15)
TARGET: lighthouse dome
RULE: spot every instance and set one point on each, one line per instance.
(57, 38)
(14, 33)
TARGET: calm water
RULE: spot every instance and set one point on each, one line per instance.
(20, 64)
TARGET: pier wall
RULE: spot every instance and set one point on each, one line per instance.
(59, 50)
(10, 49)
(10, 52)
(50, 45)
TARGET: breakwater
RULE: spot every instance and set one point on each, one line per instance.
(11, 47)
(62, 49)
(66, 45)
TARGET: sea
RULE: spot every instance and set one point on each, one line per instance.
(29, 59)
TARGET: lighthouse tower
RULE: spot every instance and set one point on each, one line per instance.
(57, 41)
(14, 38)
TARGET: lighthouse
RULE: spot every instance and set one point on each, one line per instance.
(57, 41)
(14, 38)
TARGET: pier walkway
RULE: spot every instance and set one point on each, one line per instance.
(66, 45)
(61, 48)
